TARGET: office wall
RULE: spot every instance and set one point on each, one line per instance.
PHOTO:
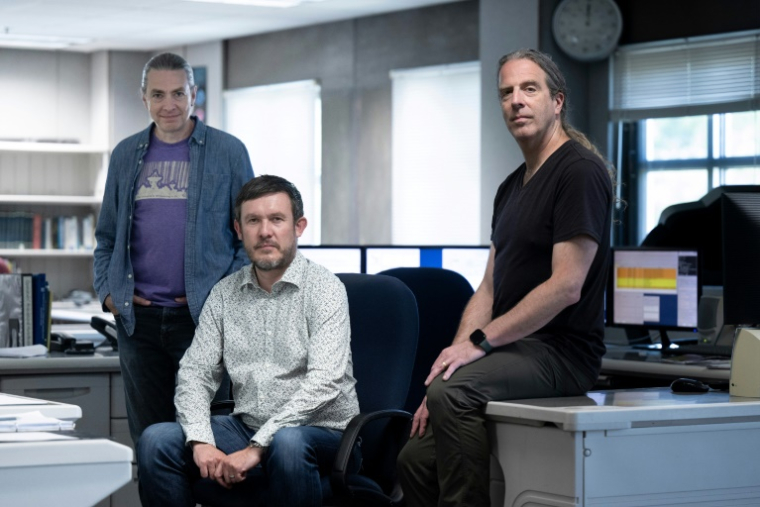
(46, 95)
(352, 60)
(127, 113)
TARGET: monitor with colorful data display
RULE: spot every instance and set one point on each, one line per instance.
(654, 288)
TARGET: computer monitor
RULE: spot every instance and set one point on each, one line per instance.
(741, 259)
(654, 288)
(470, 262)
(336, 259)
(381, 258)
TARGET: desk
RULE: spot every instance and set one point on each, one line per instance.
(11, 404)
(93, 383)
(637, 447)
(62, 473)
(629, 362)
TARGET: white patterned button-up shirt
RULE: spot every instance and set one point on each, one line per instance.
(287, 352)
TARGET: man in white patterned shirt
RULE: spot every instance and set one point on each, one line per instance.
(281, 329)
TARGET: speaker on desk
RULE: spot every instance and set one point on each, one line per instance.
(709, 318)
(745, 364)
(710, 327)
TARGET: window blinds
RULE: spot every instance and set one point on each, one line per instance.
(436, 155)
(706, 75)
(281, 126)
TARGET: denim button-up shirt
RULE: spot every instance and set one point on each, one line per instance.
(219, 167)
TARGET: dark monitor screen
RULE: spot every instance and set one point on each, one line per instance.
(654, 288)
(741, 259)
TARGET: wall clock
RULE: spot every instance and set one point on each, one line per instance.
(587, 30)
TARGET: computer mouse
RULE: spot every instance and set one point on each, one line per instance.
(688, 385)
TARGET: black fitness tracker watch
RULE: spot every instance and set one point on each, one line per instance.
(478, 337)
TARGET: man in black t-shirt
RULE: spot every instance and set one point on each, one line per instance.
(534, 327)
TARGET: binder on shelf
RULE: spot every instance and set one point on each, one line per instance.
(47, 233)
(37, 231)
(27, 300)
(25, 307)
(11, 310)
(41, 309)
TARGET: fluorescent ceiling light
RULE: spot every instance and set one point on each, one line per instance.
(259, 3)
(9, 40)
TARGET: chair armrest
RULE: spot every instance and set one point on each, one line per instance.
(350, 436)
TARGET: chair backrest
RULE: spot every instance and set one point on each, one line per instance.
(441, 297)
(384, 330)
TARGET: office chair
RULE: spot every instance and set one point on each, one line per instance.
(384, 330)
(441, 298)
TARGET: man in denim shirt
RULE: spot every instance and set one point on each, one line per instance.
(165, 235)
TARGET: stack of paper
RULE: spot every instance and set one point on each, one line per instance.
(33, 421)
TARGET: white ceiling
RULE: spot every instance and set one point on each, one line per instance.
(154, 24)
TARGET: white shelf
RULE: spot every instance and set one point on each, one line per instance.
(43, 253)
(77, 200)
(51, 147)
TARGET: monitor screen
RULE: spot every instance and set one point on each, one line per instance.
(336, 259)
(470, 262)
(741, 259)
(382, 258)
(654, 288)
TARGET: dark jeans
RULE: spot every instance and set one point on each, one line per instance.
(294, 472)
(450, 465)
(149, 363)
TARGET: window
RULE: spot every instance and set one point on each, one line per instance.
(689, 116)
(436, 155)
(684, 158)
(281, 126)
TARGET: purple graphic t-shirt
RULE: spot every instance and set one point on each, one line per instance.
(158, 223)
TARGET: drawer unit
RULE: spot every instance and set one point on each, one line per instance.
(89, 391)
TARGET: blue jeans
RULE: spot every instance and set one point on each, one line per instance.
(149, 363)
(294, 472)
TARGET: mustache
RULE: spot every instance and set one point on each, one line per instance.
(265, 243)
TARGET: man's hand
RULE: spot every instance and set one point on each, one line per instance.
(420, 420)
(234, 468)
(453, 357)
(208, 459)
(109, 304)
(140, 301)
(181, 300)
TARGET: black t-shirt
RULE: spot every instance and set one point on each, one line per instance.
(571, 194)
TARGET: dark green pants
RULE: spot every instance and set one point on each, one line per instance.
(450, 465)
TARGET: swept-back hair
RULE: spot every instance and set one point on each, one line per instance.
(555, 80)
(167, 61)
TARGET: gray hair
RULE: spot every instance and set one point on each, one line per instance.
(166, 61)
(555, 80)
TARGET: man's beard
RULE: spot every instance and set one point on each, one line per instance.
(270, 264)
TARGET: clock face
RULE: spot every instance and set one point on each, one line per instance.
(587, 30)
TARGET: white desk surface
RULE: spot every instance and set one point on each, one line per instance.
(64, 473)
(12, 404)
(627, 408)
(103, 360)
(68, 311)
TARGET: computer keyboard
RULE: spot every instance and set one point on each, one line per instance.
(704, 350)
